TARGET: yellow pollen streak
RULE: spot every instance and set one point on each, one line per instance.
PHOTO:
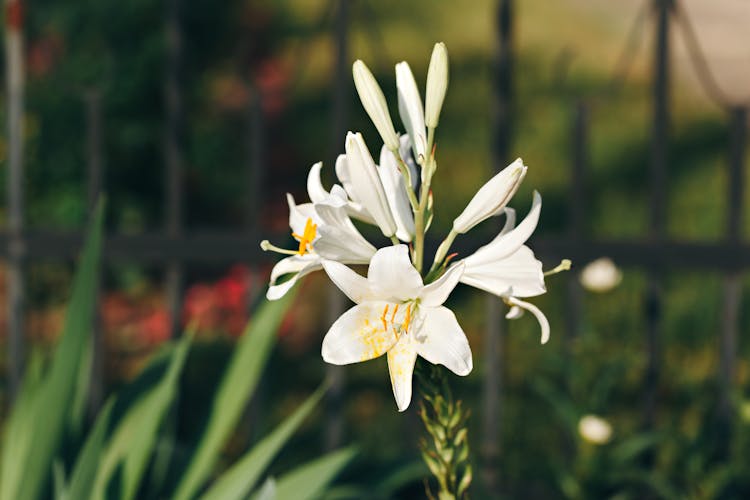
(382, 318)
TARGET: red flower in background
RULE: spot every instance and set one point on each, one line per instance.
(220, 307)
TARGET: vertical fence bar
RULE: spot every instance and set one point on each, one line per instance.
(732, 281)
(658, 191)
(174, 156)
(502, 113)
(94, 174)
(334, 426)
(577, 214)
(256, 178)
(14, 81)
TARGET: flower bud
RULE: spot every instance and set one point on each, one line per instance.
(595, 429)
(411, 110)
(491, 198)
(437, 84)
(374, 103)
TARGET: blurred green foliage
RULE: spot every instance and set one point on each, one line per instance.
(284, 49)
(128, 452)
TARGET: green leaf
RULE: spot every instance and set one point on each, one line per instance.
(308, 481)
(132, 442)
(51, 405)
(267, 491)
(18, 430)
(87, 463)
(240, 479)
(237, 386)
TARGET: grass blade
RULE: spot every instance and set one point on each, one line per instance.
(237, 386)
(134, 438)
(240, 479)
(51, 407)
(308, 481)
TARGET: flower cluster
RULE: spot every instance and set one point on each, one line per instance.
(399, 307)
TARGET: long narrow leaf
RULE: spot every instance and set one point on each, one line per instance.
(19, 429)
(308, 481)
(87, 463)
(237, 386)
(52, 406)
(240, 479)
(132, 442)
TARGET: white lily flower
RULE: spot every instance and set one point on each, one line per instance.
(365, 184)
(437, 84)
(374, 103)
(398, 315)
(324, 231)
(410, 109)
(491, 198)
(507, 268)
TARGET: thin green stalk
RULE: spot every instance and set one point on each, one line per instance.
(446, 450)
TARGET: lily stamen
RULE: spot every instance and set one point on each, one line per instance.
(266, 246)
(564, 265)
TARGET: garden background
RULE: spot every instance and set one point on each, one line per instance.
(194, 119)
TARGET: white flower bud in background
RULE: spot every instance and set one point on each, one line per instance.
(595, 429)
(491, 198)
(437, 84)
(601, 275)
(745, 411)
(374, 103)
(410, 108)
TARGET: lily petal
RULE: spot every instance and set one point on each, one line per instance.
(394, 275)
(395, 190)
(492, 197)
(354, 286)
(358, 335)
(505, 244)
(510, 220)
(366, 184)
(540, 317)
(335, 243)
(437, 292)
(298, 265)
(298, 214)
(315, 189)
(519, 274)
(441, 341)
(401, 359)
(410, 108)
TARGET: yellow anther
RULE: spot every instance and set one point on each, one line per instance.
(307, 237)
(393, 316)
(407, 319)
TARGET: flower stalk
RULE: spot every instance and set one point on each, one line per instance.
(446, 448)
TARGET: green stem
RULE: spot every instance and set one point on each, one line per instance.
(446, 451)
(395, 240)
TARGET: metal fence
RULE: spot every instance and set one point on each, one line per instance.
(175, 247)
